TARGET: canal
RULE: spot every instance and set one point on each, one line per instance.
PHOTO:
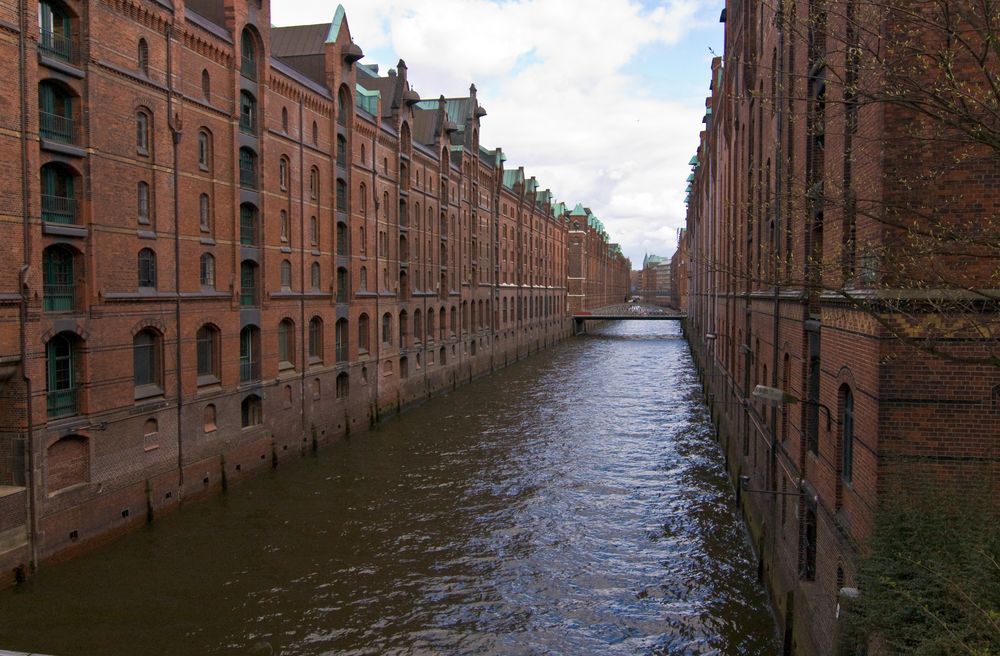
(574, 503)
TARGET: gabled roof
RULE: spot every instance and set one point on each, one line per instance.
(578, 210)
(301, 48)
(338, 20)
(512, 178)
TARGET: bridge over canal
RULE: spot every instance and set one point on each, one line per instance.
(626, 312)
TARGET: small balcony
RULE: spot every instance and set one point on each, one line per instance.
(62, 403)
(248, 177)
(58, 209)
(56, 127)
(58, 45)
(59, 298)
(249, 371)
(248, 297)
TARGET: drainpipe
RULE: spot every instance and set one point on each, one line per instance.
(22, 279)
(176, 132)
(302, 261)
(376, 204)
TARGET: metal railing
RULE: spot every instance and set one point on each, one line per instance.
(58, 209)
(248, 297)
(58, 297)
(56, 127)
(249, 371)
(58, 45)
(62, 403)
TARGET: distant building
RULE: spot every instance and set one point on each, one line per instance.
(680, 276)
(655, 288)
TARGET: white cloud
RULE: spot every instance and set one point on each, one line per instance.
(563, 102)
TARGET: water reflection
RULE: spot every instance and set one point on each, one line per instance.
(572, 504)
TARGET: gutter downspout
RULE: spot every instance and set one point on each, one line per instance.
(302, 264)
(176, 133)
(22, 279)
(377, 319)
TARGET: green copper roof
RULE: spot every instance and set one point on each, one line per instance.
(511, 178)
(338, 20)
(558, 209)
(578, 210)
(690, 177)
(694, 161)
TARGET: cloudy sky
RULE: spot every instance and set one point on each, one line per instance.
(601, 100)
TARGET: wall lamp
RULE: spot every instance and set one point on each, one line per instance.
(780, 397)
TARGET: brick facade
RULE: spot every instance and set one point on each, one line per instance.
(804, 276)
(230, 243)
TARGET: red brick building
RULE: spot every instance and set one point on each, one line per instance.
(812, 271)
(229, 243)
(679, 280)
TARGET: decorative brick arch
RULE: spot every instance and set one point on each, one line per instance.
(143, 324)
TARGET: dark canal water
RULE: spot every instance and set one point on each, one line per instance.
(572, 504)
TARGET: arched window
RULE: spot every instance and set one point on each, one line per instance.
(343, 387)
(56, 31)
(314, 183)
(418, 325)
(342, 241)
(251, 411)
(206, 275)
(142, 58)
(249, 232)
(386, 328)
(142, 202)
(430, 325)
(61, 374)
(286, 274)
(208, 354)
(206, 85)
(67, 463)
(248, 168)
(205, 213)
(147, 269)
(286, 344)
(208, 418)
(363, 333)
(59, 281)
(404, 328)
(283, 226)
(315, 339)
(142, 125)
(340, 340)
(147, 361)
(342, 291)
(55, 112)
(315, 276)
(204, 150)
(283, 173)
(847, 433)
(441, 325)
(343, 106)
(313, 231)
(249, 354)
(284, 119)
(404, 367)
(58, 194)
(363, 279)
(248, 113)
(315, 133)
(341, 151)
(249, 287)
(248, 50)
(341, 195)
(454, 320)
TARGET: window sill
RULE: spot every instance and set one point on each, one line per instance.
(208, 379)
(284, 366)
(143, 392)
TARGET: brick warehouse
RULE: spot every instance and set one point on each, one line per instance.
(230, 243)
(815, 266)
